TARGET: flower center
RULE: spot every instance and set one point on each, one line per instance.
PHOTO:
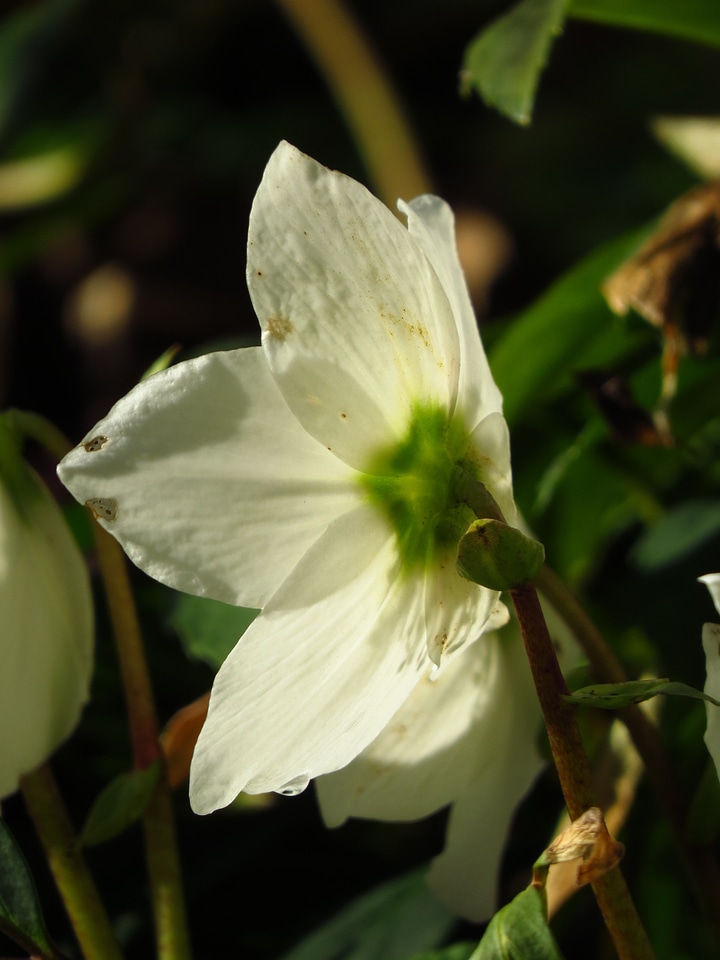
(414, 484)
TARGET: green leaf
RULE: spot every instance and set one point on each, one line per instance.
(21, 918)
(120, 804)
(677, 534)
(689, 19)
(504, 62)
(519, 931)
(568, 328)
(209, 629)
(615, 696)
(392, 922)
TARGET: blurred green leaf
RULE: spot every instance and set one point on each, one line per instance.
(677, 534)
(615, 696)
(20, 914)
(690, 19)
(458, 951)
(519, 931)
(504, 62)
(209, 629)
(565, 329)
(393, 921)
(121, 804)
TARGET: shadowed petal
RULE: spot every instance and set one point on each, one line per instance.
(711, 646)
(712, 582)
(431, 222)
(425, 757)
(506, 763)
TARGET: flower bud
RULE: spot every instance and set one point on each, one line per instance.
(47, 623)
(498, 556)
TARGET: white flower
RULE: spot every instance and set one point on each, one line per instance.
(315, 478)
(711, 646)
(468, 738)
(47, 628)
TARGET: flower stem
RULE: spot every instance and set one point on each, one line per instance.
(67, 864)
(613, 897)
(700, 861)
(158, 820)
(364, 95)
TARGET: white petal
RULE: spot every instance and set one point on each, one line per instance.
(491, 439)
(319, 673)
(47, 634)
(711, 646)
(426, 755)
(712, 582)
(432, 224)
(456, 611)
(356, 325)
(464, 876)
(215, 487)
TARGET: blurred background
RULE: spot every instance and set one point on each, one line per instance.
(133, 136)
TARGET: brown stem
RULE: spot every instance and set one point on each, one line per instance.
(613, 897)
(699, 861)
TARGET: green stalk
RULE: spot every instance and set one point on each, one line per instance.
(67, 864)
(158, 821)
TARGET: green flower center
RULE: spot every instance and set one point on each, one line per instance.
(414, 484)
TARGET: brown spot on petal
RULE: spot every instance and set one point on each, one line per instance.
(279, 328)
(97, 443)
(103, 508)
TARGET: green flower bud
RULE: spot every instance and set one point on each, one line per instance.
(498, 556)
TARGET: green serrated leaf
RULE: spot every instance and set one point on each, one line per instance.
(615, 696)
(21, 918)
(568, 328)
(120, 804)
(697, 20)
(681, 531)
(393, 921)
(504, 62)
(209, 629)
(519, 931)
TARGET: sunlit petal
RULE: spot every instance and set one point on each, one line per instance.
(318, 674)
(356, 325)
(218, 490)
